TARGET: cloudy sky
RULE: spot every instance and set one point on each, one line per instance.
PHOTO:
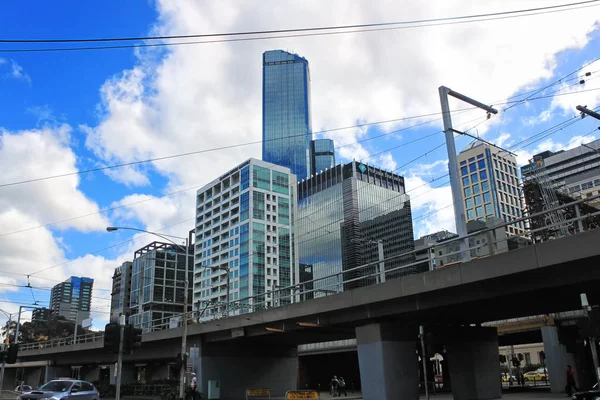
(66, 112)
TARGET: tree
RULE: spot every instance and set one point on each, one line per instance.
(55, 327)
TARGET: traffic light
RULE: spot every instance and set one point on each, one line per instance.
(132, 339)
(11, 354)
(112, 336)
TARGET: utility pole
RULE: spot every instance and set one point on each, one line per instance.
(457, 198)
(424, 359)
(381, 263)
(120, 356)
(587, 309)
(585, 111)
(184, 321)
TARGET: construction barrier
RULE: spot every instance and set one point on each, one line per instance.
(302, 394)
(258, 394)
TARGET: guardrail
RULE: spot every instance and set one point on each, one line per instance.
(486, 242)
(61, 342)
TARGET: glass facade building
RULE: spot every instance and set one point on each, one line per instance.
(342, 213)
(322, 155)
(72, 299)
(490, 185)
(158, 285)
(287, 130)
(121, 291)
(245, 223)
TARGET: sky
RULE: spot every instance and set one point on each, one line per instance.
(68, 112)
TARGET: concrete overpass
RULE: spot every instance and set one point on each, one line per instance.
(539, 279)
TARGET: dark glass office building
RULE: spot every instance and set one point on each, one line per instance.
(72, 298)
(342, 213)
(322, 155)
(287, 130)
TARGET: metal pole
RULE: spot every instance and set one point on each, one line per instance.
(381, 263)
(459, 210)
(424, 359)
(184, 322)
(18, 325)
(75, 332)
(227, 306)
(120, 356)
(2, 374)
(579, 221)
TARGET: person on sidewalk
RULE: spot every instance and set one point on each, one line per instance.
(193, 385)
(342, 387)
(334, 386)
(571, 384)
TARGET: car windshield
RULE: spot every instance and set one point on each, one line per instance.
(57, 386)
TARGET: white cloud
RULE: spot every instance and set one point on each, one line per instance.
(524, 156)
(38, 153)
(387, 162)
(431, 206)
(13, 70)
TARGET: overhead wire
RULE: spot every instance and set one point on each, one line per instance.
(270, 36)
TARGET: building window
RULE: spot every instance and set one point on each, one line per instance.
(463, 171)
(479, 211)
(481, 164)
(488, 209)
(470, 214)
(483, 175)
(476, 189)
(465, 181)
(469, 203)
(485, 186)
(467, 192)
(472, 167)
(477, 200)
(474, 178)
(486, 197)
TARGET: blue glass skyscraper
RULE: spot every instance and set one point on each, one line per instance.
(287, 130)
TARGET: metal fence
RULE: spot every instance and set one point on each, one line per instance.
(483, 243)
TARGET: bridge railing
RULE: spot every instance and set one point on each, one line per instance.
(67, 341)
(485, 242)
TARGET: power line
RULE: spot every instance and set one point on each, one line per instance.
(263, 32)
(323, 31)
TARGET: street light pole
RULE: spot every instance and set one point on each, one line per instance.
(185, 294)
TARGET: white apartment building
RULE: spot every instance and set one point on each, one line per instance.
(245, 224)
(490, 185)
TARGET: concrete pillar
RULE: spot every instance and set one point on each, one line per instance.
(474, 365)
(557, 359)
(388, 361)
(247, 365)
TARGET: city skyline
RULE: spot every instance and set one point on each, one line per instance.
(68, 113)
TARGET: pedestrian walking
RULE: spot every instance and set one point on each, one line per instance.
(342, 387)
(333, 386)
(193, 385)
(571, 385)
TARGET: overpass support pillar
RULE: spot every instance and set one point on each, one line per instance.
(388, 361)
(557, 359)
(473, 362)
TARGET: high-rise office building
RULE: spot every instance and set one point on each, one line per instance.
(245, 223)
(554, 178)
(40, 314)
(287, 130)
(72, 298)
(158, 279)
(490, 185)
(322, 155)
(342, 214)
(121, 291)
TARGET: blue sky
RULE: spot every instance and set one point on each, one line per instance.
(69, 111)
